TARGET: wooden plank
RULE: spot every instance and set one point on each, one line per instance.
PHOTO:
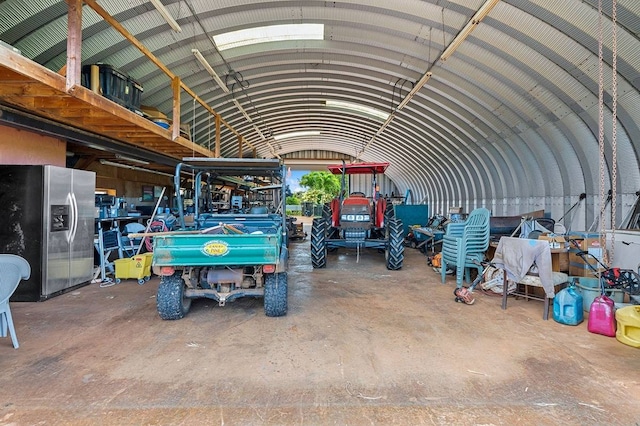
(175, 124)
(30, 69)
(216, 151)
(25, 88)
(74, 43)
(126, 34)
(28, 85)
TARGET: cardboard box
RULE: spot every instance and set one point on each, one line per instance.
(152, 112)
(589, 242)
(185, 131)
(555, 241)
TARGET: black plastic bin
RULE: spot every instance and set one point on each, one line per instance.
(133, 94)
(112, 84)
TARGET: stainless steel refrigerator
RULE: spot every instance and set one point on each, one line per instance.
(47, 216)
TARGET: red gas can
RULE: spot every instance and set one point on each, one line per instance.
(602, 316)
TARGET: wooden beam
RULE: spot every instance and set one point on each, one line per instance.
(74, 43)
(175, 124)
(216, 151)
(239, 146)
(126, 34)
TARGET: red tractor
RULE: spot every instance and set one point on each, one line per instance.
(358, 221)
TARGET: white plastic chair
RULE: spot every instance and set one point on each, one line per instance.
(12, 269)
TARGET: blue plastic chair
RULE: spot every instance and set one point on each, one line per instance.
(12, 269)
(464, 244)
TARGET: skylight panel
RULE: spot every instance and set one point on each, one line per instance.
(296, 134)
(269, 33)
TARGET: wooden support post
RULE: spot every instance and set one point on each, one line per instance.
(216, 152)
(255, 153)
(74, 43)
(239, 146)
(175, 126)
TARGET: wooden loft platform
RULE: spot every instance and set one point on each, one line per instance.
(28, 86)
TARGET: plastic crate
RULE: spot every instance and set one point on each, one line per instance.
(136, 267)
(112, 84)
(133, 94)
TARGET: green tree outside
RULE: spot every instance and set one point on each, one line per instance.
(293, 200)
(323, 187)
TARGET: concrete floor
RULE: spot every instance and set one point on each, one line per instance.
(360, 345)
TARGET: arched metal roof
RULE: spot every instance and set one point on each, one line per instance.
(509, 121)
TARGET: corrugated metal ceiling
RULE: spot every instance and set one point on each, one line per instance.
(508, 121)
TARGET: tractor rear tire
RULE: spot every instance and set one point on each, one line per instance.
(389, 212)
(170, 300)
(395, 250)
(326, 212)
(275, 294)
(319, 243)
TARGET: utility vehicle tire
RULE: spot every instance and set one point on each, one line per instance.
(275, 294)
(395, 250)
(318, 243)
(170, 300)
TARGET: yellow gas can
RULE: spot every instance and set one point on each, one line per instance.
(628, 320)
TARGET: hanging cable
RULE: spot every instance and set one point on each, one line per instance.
(242, 84)
(601, 159)
(444, 41)
(397, 90)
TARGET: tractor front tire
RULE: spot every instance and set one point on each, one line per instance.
(319, 243)
(395, 250)
(275, 294)
(170, 300)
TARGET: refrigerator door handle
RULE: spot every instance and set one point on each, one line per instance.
(74, 216)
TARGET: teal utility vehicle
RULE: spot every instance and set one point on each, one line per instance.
(237, 249)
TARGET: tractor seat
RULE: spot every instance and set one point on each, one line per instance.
(357, 194)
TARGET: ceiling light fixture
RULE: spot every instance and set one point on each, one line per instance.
(362, 109)
(225, 89)
(482, 12)
(165, 14)
(127, 166)
(132, 160)
(467, 29)
(242, 110)
(296, 134)
(210, 69)
(415, 89)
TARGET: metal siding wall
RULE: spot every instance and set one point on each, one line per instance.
(364, 183)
